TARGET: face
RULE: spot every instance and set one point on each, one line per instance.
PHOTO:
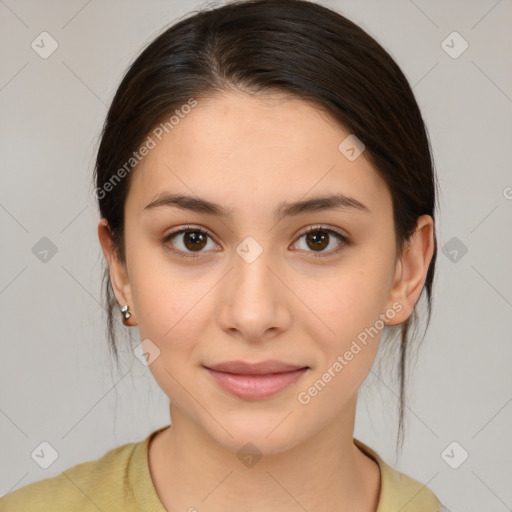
(253, 285)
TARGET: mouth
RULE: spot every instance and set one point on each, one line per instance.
(254, 381)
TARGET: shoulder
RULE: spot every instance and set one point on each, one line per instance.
(399, 491)
(409, 494)
(99, 484)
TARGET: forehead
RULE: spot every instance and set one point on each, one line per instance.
(239, 149)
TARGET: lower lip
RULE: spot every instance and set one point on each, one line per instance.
(256, 386)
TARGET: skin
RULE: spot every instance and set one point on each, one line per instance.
(249, 153)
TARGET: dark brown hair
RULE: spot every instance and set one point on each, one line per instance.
(292, 46)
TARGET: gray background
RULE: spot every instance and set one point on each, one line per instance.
(56, 380)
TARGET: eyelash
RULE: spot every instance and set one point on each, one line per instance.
(344, 241)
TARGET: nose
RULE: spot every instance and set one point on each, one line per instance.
(253, 301)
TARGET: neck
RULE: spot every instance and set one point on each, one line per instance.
(191, 471)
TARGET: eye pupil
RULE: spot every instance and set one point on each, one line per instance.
(319, 241)
(195, 238)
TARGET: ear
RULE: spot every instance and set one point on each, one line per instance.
(118, 271)
(412, 268)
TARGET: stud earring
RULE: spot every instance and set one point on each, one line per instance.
(125, 310)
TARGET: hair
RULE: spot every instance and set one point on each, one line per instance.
(263, 46)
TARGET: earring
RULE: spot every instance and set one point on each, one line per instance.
(125, 310)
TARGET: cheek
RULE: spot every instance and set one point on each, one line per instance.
(171, 313)
(166, 296)
(169, 308)
(345, 339)
(347, 323)
(348, 302)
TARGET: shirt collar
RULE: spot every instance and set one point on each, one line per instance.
(399, 492)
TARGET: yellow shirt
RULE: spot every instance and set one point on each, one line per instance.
(120, 481)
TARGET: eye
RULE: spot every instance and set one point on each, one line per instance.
(194, 239)
(318, 238)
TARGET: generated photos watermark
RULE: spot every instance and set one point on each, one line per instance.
(305, 397)
(150, 143)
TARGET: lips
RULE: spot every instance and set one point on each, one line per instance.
(254, 381)
(262, 368)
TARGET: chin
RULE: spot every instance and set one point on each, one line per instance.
(266, 436)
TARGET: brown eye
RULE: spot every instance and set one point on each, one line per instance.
(187, 241)
(194, 240)
(317, 239)
(190, 241)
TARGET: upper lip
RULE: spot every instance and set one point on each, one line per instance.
(261, 368)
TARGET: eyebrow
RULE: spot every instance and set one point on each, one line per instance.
(284, 209)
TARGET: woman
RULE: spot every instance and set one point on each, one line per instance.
(267, 200)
